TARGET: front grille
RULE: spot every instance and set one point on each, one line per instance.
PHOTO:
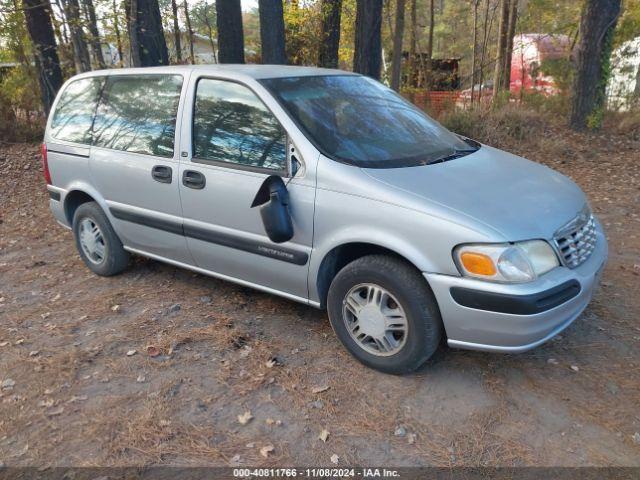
(575, 246)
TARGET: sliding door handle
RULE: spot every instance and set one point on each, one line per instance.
(162, 173)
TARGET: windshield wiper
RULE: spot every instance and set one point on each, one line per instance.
(457, 153)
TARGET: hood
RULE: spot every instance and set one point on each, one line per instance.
(518, 198)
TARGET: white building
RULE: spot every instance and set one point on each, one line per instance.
(625, 75)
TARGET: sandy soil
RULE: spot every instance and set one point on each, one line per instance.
(72, 395)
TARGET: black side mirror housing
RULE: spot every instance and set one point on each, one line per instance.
(273, 199)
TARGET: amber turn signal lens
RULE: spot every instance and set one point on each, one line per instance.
(478, 264)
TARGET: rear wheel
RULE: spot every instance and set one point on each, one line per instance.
(385, 314)
(97, 242)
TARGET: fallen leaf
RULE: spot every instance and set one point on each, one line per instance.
(575, 368)
(34, 353)
(320, 389)
(335, 459)
(266, 450)
(245, 418)
(77, 398)
(4, 344)
(8, 383)
(273, 362)
(55, 411)
(141, 379)
(115, 308)
(411, 438)
(324, 434)
(270, 421)
(153, 351)
(131, 353)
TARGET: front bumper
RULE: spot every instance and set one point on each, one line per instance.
(496, 331)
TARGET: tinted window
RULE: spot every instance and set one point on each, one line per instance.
(137, 114)
(75, 109)
(231, 124)
(357, 120)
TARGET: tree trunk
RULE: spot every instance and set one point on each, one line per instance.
(192, 57)
(65, 35)
(368, 46)
(38, 19)
(207, 22)
(483, 53)
(328, 51)
(148, 45)
(176, 31)
(397, 46)
(413, 68)
(116, 29)
(90, 12)
(429, 63)
(230, 35)
(597, 24)
(272, 31)
(78, 40)
(131, 12)
(503, 27)
(511, 32)
(474, 53)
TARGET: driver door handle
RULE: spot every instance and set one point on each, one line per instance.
(193, 179)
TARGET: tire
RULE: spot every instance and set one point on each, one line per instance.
(408, 293)
(115, 258)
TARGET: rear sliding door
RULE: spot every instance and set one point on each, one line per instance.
(134, 162)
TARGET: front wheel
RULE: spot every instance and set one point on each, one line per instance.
(97, 242)
(385, 314)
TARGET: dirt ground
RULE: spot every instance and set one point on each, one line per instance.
(81, 388)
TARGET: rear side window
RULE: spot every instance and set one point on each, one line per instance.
(137, 114)
(232, 125)
(74, 112)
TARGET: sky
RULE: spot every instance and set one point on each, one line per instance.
(248, 4)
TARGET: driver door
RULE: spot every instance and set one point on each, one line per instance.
(237, 143)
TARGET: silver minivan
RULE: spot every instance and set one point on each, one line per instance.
(327, 188)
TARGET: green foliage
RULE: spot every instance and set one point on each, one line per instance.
(20, 106)
(562, 70)
(629, 23)
(302, 25)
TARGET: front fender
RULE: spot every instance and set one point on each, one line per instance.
(423, 240)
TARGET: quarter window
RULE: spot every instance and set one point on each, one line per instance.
(75, 110)
(232, 125)
(137, 114)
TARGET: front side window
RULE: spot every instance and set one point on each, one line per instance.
(137, 114)
(232, 125)
(74, 112)
(357, 120)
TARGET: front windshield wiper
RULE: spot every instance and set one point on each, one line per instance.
(457, 153)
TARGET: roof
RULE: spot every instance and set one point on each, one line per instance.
(229, 71)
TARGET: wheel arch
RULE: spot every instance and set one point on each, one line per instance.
(341, 255)
(73, 200)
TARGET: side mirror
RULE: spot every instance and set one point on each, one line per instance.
(273, 200)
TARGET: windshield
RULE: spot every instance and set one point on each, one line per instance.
(357, 120)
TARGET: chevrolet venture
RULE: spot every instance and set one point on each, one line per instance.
(327, 188)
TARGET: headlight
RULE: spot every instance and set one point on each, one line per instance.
(506, 262)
